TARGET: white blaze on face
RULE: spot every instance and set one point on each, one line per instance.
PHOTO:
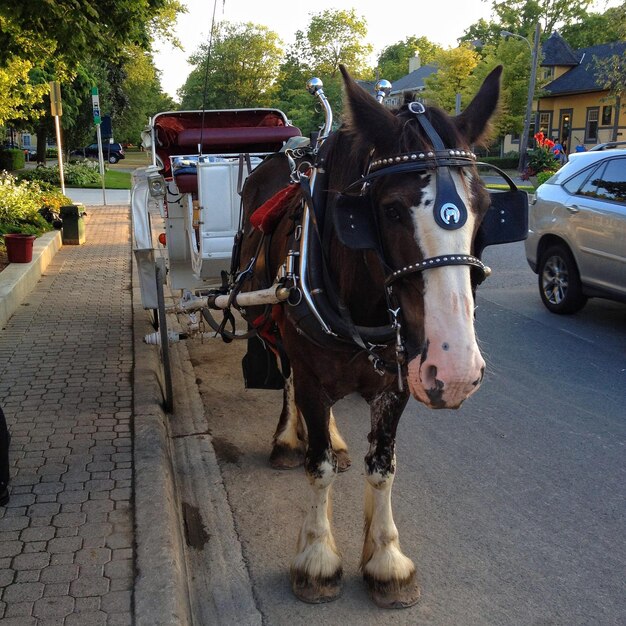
(453, 366)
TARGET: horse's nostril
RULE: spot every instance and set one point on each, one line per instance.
(430, 376)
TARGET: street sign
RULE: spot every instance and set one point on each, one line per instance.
(95, 102)
(56, 107)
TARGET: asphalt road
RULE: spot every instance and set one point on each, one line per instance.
(512, 507)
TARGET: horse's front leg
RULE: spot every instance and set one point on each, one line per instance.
(389, 574)
(289, 444)
(316, 570)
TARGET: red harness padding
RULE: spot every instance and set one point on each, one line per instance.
(267, 216)
(266, 327)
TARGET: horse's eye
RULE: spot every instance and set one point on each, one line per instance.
(392, 212)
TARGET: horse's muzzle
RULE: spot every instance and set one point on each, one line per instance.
(441, 381)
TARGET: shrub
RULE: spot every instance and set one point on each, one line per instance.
(11, 159)
(504, 163)
(76, 174)
(543, 176)
(21, 203)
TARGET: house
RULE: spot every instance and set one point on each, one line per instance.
(574, 106)
(413, 82)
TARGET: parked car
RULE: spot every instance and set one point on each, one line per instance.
(577, 231)
(113, 152)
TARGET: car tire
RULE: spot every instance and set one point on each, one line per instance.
(559, 281)
(113, 158)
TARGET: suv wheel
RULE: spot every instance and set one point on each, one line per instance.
(559, 281)
(113, 158)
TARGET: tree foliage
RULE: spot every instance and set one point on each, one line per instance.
(521, 16)
(393, 61)
(455, 67)
(597, 28)
(83, 28)
(240, 71)
(334, 37)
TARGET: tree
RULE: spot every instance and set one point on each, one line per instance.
(241, 71)
(455, 67)
(144, 97)
(334, 37)
(596, 28)
(611, 75)
(514, 55)
(83, 28)
(521, 16)
(393, 62)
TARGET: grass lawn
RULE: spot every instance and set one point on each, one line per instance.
(112, 180)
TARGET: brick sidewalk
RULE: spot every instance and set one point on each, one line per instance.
(66, 358)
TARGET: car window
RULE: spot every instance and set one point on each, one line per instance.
(609, 183)
(576, 182)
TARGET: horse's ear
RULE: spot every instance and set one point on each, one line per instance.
(364, 116)
(472, 123)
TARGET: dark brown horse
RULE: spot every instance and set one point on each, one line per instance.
(416, 179)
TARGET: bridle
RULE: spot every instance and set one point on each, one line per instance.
(449, 210)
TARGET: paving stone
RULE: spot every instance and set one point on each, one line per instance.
(19, 609)
(56, 589)
(19, 621)
(87, 605)
(13, 523)
(89, 586)
(27, 576)
(10, 548)
(53, 606)
(94, 618)
(70, 520)
(39, 533)
(6, 577)
(93, 556)
(36, 560)
(59, 573)
(23, 592)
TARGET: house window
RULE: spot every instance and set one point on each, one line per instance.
(607, 114)
(591, 129)
(544, 123)
(548, 73)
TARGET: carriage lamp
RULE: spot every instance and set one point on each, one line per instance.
(156, 184)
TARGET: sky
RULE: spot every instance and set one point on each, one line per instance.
(441, 21)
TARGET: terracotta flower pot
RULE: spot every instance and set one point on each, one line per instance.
(19, 247)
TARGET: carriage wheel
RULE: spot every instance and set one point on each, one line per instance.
(168, 395)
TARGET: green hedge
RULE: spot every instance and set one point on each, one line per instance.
(76, 174)
(11, 159)
(504, 163)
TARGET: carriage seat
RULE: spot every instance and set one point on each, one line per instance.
(255, 138)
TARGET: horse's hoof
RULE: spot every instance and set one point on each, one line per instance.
(394, 594)
(316, 591)
(343, 460)
(283, 457)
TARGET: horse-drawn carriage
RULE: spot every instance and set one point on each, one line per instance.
(353, 257)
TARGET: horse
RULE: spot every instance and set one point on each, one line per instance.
(409, 176)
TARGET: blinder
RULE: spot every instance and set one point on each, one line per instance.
(505, 221)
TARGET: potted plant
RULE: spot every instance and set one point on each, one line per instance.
(23, 205)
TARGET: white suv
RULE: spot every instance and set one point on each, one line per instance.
(577, 231)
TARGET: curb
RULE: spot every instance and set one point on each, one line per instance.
(190, 566)
(161, 594)
(18, 279)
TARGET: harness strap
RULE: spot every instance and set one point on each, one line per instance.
(440, 261)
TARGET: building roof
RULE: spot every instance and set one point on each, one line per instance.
(584, 76)
(413, 81)
(556, 51)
